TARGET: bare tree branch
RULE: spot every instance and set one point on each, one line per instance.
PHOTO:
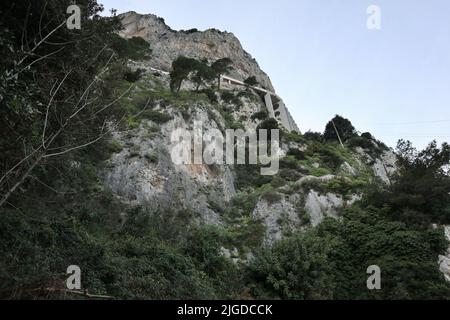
(40, 42)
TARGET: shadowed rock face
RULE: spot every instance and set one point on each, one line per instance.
(168, 44)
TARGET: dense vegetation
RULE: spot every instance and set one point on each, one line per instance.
(390, 227)
(55, 210)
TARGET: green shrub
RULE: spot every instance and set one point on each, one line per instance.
(245, 202)
(304, 216)
(295, 268)
(151, 157)
(261, 115)
(328, 154)
(290, 174)
(271, 196)
(268, 124)
(313, 136)
(230, 98)
(157, 117)
(135, 48)
(250, 176)
(246, 94)
(345, 186)
(289, 162)
(298, 154)
(292, 136)
(115, 146)
(190, 31)
(251, 81)
(368, 143)
(131, 122)
(210, 94)
(133, 76)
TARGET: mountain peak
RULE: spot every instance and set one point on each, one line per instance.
(167, 44)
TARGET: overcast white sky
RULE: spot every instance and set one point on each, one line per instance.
(322, 59)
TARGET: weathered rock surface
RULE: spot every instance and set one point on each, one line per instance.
(144, 174)
(319, 206)
(279, 218)
(385, 166)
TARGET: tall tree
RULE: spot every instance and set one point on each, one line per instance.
(52, 95)
(339, 128)
(203, 73)
(221, 67)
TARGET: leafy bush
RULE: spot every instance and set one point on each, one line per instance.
(368, 143)
(345, 186)
(330, 261)
(246, 94)
(289, 162)
(190, 31)
(268, 124)
(295, 268)
(250, 176)
(298, 154)
(360, 142)
(133, 76)
(229, 97)
(260, 115)
(135, 48)
(407, 257)
(290, 174)
(271, 196)
(157, 116)
(313, 136)
(328, 154)
(418, 194)
(153, 158)
(210, 94)
(251, 81)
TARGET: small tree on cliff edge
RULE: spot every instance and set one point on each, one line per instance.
(181, 68)
(221, 67)
(203, 72)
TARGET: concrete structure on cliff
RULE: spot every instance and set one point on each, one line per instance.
(274, 104)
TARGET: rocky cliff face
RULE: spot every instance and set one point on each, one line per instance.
(142, 173)
(168, 44)
(306, 190)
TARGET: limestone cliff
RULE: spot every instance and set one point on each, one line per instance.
(142, 173)
(168, 44)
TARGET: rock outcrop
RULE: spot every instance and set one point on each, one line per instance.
(142, 173)
(212, 44)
